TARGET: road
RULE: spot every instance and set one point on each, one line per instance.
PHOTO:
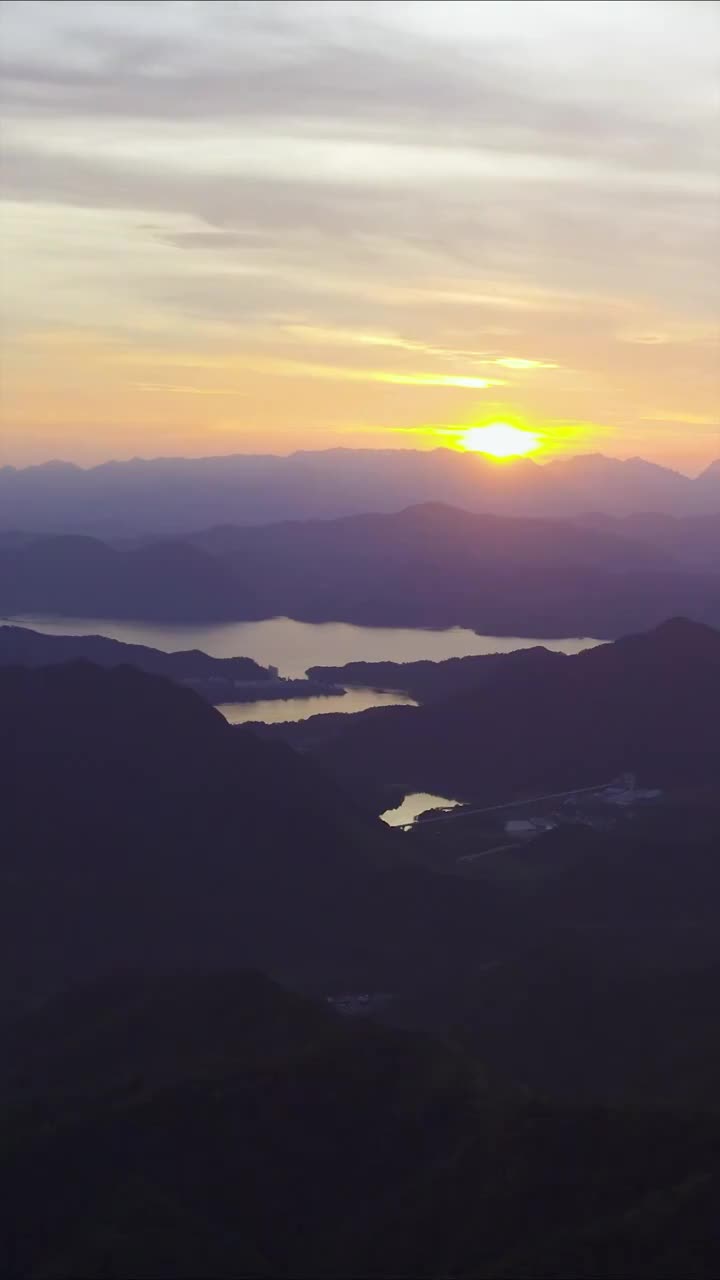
(485, 853)
(453, 814)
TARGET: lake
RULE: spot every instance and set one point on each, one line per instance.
(279, 710)
(293, 646)
(413, 805)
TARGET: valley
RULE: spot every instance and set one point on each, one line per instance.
(359, 640)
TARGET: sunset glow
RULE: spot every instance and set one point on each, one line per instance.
(500, 440)
(313, 226)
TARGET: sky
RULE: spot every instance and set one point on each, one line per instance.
(262, 227)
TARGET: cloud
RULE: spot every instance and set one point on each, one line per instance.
(300, 368)
(512, 70)
(410, 178)
(518, 362)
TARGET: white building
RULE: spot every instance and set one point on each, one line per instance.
(526, 827)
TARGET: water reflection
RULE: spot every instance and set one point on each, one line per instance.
(413, 805)
(293, 646)
(280, 710)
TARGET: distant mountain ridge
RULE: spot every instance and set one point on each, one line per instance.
(174, 495)
(431, 565)
(80, 575)
(690, 541)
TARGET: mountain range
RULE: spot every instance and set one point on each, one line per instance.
(142, 832)
(79, 575)
(692, 540)
(537, 1093)
(166, 837)
(648, 704)
(176, 495)
(426, 566)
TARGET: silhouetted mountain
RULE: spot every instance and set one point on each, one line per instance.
(17, 538)
(428, 566)
(431, 533)
(219, 680)
(624, 486)
(182, 1119)
(707, 485)
(172, 495)
(647, 703)
(617, 1002)
(20, 646)
(693, 541)
(219, 1127)
(434, 565)
(82, 576)
(427, 681)
(140, 830)
(160, 830)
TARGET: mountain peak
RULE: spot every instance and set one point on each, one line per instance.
(678, 639)
(685, 629)
(173, 495)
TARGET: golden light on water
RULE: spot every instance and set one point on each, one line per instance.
(500, 440)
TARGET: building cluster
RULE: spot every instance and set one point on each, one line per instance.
(598, 808)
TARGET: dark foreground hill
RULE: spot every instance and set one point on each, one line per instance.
(21, 646)
(428, 681)
(140, 830)
(616, 1001)
(649, 704)
(219, 1127)
(219, 680)
(207, 1123)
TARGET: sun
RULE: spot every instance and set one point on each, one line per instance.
(500, 440)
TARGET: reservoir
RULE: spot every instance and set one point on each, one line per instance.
(293, 646)
(281, 710)
(413, 805)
